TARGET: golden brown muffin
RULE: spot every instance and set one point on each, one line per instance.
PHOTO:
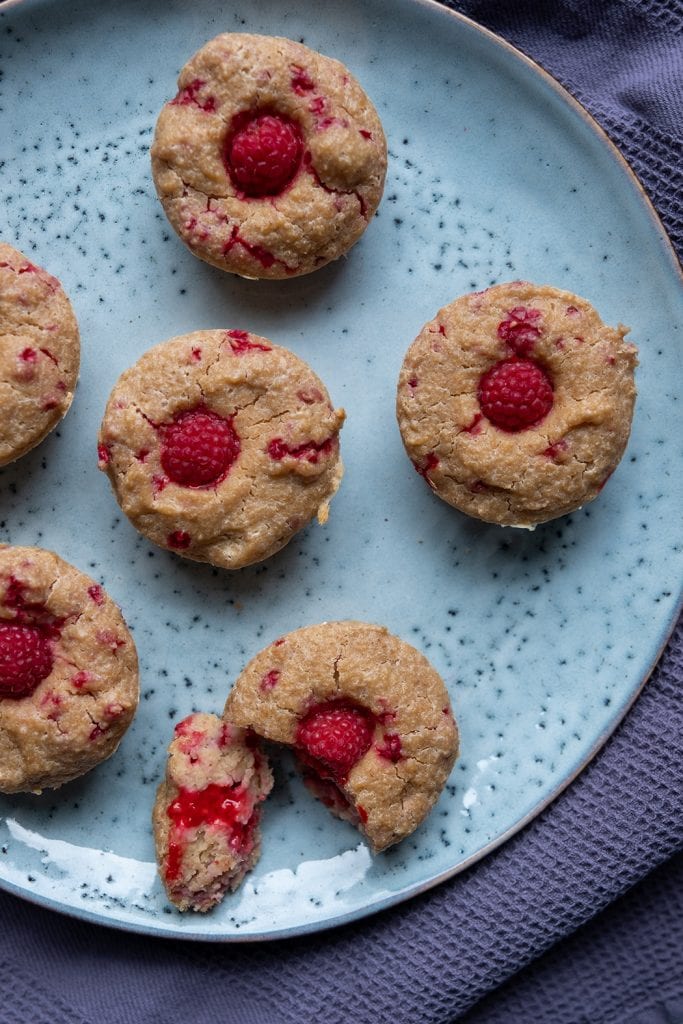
(68, 672)
(39, 354)
(515, 403)
(270, 161)
(368, 716)
(220, 446)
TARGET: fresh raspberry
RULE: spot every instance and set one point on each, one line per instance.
(515, 394)
(25, 660)
(335, 736)
(263, 154)
(198, 448)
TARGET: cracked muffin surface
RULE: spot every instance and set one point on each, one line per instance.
(39, 354)
(68, 672)
(270, 161)
(220, 446)
(369, 719)
(206, 814)
(515, 403)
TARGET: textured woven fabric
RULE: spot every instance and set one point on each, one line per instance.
(430, 961)
(626, 967)
(623, 59)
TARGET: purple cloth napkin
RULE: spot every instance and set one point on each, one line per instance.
(431, 960)
(625, 966)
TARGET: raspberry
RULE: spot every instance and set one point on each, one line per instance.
(391, 749)
(515, 394)
(225, 807)
(179, 540)
(198, 448)
(301, 80)
(213, 805)
(240, 342)
(263, 154)
(309, 450)
(519, 329)
(25, 660)
(335, 736)
(270, 680)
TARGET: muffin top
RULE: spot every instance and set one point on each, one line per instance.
(270, 161)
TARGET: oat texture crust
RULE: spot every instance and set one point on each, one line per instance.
(549, 469)
(392, 788)
(285, 472)
(339, 171)
(77, 715)
(39, 354)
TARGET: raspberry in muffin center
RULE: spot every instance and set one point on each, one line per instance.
(198, 448)
(515, 394)
(25, 660)
(263, 154)
(335, 736)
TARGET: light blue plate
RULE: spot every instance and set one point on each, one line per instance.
(543, 638)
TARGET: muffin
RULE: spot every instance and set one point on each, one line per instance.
(68, 672)
(368, 717)
(515, 403)
(206, 814)
(39, 354)
(270, 161)
(220, 445)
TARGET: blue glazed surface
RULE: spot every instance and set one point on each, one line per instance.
(543, 638)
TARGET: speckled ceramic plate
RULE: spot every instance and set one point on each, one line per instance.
(544, 638)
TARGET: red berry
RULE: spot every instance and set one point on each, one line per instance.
(198, 448)
(264, 154)
(179, 540)
(520, 329)
(309, 450)
(25, 660)
(335, 735)
(391, 749)
(515, 394)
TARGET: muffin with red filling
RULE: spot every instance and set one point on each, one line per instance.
(368, 717)
(68, 672)
(220, 446)
(515, 403)
(206, 814)
(270, 160)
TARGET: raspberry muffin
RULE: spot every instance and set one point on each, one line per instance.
(270, 161)
(39, 354)
(220, 446)
(515, 403)
(68, 672)
(206, 814)
(367, 715)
